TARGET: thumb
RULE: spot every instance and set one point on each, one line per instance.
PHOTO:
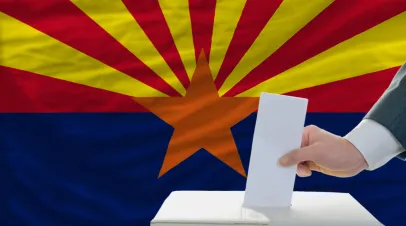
(297, 156)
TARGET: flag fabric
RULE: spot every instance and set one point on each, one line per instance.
(107, 106)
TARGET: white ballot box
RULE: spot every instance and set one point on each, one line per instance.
(268, 198)
(224, 208)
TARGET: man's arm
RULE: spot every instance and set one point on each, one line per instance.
(379, 137)
(382, 134)
(375, 142)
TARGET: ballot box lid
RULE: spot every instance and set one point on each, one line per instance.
(225, 208)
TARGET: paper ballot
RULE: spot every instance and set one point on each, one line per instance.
(278, 130)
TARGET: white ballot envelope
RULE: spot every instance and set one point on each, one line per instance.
(269, 198)
(278, 130)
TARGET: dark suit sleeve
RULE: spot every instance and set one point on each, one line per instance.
(390, 109)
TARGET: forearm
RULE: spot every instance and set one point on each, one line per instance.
(382, 134)
(375, 142)
(390, 109)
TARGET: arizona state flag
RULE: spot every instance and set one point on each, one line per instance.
(107, 106)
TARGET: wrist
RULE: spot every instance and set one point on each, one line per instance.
(375, 143)
(361, 163)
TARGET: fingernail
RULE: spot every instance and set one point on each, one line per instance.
(303, 172)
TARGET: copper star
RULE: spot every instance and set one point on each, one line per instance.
(201, 119)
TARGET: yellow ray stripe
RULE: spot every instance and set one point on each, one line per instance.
(177, 16)
(378, 48)
(114, 17)
(289, 18)
(25, 48)
(226, 18)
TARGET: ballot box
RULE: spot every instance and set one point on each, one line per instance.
(225, 208)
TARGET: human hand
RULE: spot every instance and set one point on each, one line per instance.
(325, 152)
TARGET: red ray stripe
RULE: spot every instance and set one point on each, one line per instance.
(24, 92)
(62, 20)
(350, 95)
(253, 19)
(339, 22)
(202, 17)
(149, 16)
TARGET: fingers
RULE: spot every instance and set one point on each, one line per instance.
(306, 137)
(313, 167)
(307, 152)
(299, 155)
(303, 170)
(308, 132)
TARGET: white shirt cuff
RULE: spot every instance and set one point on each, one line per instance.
(375, 142)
